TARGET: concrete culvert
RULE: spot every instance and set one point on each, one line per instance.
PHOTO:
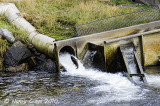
(67, 49)
(70, 50)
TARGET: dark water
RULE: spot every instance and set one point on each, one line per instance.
(65, 89)
(42, 88)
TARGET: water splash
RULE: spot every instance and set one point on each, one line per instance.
(88, 58)
(111, 87)
(153, 80)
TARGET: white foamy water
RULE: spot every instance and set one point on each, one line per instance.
(129, 53)
(153, 80)
(113, 87)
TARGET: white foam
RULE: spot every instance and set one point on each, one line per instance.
(153, 80)
(114, 87)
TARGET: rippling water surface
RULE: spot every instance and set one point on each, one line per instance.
(77, 87)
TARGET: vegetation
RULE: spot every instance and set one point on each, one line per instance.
(58, 18)
(4, 45)
(16, 32)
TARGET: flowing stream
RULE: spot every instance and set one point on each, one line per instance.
(111, 88)
(76, 87)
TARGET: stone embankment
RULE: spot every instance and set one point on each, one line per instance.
(21, 56)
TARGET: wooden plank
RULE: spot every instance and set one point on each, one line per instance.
(126, 63)
(142, 51)
(138, 62)
(105, 48)
(128, 44)
(140, 66)
(139, 75)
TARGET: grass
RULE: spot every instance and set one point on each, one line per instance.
(4, 45)
(117, 2)
(58, 18)
(16, 32)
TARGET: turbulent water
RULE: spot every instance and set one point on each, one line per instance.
(88, 58)
(76, 87)
(110, 87)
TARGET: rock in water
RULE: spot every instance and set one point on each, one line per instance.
(21, 67)
(16, 54)
(48, 66)
(7, 35)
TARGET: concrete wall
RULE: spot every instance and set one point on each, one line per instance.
(151, 48)
(79, 43)
(147, 47)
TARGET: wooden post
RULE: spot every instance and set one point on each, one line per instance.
(142, 51)
(140, 66)
(104, 45)
(126, 63)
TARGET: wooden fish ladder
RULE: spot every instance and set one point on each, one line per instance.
(140, 72)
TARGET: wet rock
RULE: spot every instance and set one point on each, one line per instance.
(7, 35)
(41, 59)
(37, 53)
(30, 46)
(32, 62)
(43, 56)
(33, 50)
(62, 69)
(21, 67)
(16, 54)
(48, 66)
